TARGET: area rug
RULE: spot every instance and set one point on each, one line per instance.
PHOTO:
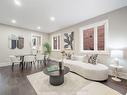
(72, 84)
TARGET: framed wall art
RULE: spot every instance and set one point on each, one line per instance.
(69, 41)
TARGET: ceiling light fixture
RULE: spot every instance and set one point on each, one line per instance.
(38, 27)
(17, 2)
(13, 21)
(52, 18)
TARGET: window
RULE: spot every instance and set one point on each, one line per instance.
(88, 39)
(101, 37)
(56, 42)
(36, 42)
(93, 37)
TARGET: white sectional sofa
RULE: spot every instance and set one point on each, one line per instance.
(98, 72)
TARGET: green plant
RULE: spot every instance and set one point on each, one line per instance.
(47, 48)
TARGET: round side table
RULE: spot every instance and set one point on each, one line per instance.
(116, 67)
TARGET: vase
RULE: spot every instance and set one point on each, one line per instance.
(61, 66)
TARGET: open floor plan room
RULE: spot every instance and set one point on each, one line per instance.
(63, 47)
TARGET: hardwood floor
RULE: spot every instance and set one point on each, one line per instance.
(118, 86)
(16, 83)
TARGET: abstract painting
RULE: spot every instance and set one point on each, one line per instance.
(12, 39)
(20, 43)
(15, 42)
(69, 41)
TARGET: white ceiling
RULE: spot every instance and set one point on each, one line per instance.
(34, 13)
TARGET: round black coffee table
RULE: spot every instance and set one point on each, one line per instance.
(56, 77)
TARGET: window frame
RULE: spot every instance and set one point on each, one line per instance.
(95, 26)
(56, 35)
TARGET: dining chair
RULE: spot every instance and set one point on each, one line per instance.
(29, 59)
(34, 51)
(14, 60)
(47, 59)
(40, 58)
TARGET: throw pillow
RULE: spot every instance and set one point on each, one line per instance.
(93, 59)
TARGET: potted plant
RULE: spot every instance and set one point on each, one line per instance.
(47, 52)
(47, 49)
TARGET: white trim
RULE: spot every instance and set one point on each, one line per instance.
(95, 38)
(56, 35)
(121, 74)
(105, 23)
(3, 64)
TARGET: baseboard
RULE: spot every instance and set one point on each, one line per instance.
(3, 64)
(121, 74)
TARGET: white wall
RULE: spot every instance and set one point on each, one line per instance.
(117, 36)
(5, 51)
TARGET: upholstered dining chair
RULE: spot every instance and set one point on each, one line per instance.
(40, 58)
(28, 60)
(14, 60)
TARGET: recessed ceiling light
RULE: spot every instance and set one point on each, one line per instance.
(52, 18)
(38, 27)
(13, 21)
(17, 2)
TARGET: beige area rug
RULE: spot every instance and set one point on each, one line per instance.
(72, 84)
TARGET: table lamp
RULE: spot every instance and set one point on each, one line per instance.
(117, 55)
